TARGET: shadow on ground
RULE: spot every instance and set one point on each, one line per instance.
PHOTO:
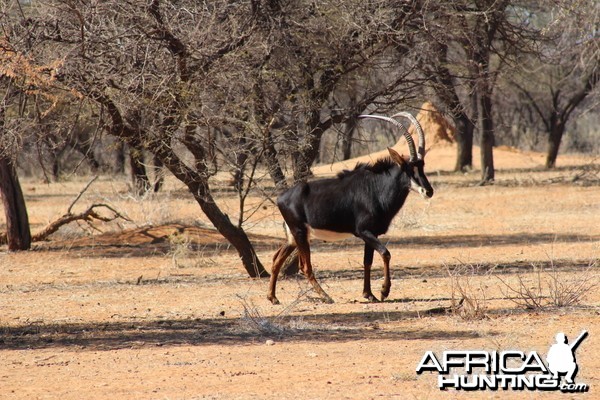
(478, 240)
(440, 271)
(120, 335)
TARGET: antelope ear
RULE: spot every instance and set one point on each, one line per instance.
(397, 158)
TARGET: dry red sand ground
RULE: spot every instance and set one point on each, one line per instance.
(161, 308)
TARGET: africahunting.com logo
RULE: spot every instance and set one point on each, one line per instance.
(508, 370)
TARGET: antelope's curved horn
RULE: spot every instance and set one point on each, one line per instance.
(421, 150)
(409, 139)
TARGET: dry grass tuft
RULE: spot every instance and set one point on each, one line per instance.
(468, 291)
(282, 324)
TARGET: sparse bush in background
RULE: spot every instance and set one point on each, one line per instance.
(150, 209)
(549, 287)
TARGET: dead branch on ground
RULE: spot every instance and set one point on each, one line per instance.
(89, 216)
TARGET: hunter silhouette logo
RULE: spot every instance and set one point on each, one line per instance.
(561, 357)
(516, 370)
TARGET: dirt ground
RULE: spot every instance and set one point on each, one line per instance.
(160, 308)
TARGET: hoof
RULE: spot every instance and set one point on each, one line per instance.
(370, 297)
(327, 300)
(385, 292)
(273, 299)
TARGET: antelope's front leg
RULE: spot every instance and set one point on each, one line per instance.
(372, 241)
(367, 263)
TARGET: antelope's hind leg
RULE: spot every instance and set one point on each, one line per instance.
(306, 265)
(278, 260)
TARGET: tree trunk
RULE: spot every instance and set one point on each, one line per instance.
(554, 139)
(120, 155)
(308, 152)
(347, 139)
(139, 177)
(159, 174)
(273, 165)
(302, 162)
(487, 139)
(85, 148)
(445, 88)
(241, 156)
(55, 161)
(464, 142)
(560, 116)
(17, 221)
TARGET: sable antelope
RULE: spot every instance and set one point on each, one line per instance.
(361, 202)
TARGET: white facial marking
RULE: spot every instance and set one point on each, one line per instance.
(415, 187)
